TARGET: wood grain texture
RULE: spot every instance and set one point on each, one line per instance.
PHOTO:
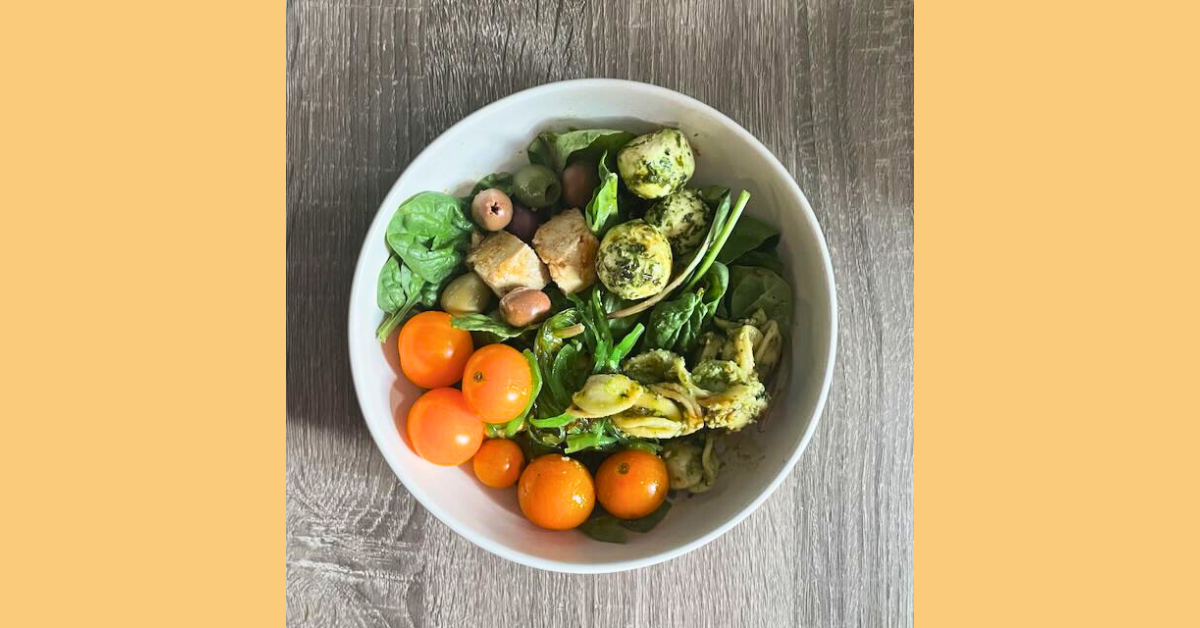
(827, 85)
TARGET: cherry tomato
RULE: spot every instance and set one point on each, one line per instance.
(497, 383)
(632, 484)
(556, 492)
(432, 353)
(498, 463)
(443, 429)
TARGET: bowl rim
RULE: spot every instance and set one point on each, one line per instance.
(826, 378)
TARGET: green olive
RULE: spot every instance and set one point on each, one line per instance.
(536, 186)
(466, 295)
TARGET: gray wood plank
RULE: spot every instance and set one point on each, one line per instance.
(826, 84)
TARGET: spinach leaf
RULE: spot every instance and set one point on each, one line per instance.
(502, 181)
(751, 234)
(400, 290)
(647, 523)
(601, 211)
(752, 288)
(765, 259)
(676, 325)
(430, 233)
(397, 287)
(554, 150)
(712, 195)
(490, 323)
(604, 528)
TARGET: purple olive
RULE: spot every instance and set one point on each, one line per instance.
(579, 181)
(524, 306)
(524, 223)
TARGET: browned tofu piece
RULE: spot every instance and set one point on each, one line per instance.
(506, 263)
(568, 248)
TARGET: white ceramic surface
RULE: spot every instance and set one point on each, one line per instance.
(494, 139)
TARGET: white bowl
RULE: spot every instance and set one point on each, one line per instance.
(494, 139)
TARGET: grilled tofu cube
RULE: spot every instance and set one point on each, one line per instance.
(568, 248)
(506, 263)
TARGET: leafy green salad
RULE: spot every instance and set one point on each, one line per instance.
(651, 315)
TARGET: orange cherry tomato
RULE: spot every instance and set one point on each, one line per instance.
(556, 492)
(443, 429)
(498, 463)
(497, 383)
(432, 353)
(632, 484)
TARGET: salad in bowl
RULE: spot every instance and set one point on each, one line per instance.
(588, 328)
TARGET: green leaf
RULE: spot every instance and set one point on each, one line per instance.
(398, 291)
(623, 348)
(601, 211)
(599, 436)
(676, 325)
(752, 288)
(555, 150)
(605, 528)
(765, 259)
(535, 387)
(430, 233)
(713, 195)
(647, 523)
(563, 359)
(489, 323)
(512, 427)
(643, 445)
(723, 226)
(502, 181)
(751, 234)
(554, 421)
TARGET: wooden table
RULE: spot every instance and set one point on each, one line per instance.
(826, 85)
